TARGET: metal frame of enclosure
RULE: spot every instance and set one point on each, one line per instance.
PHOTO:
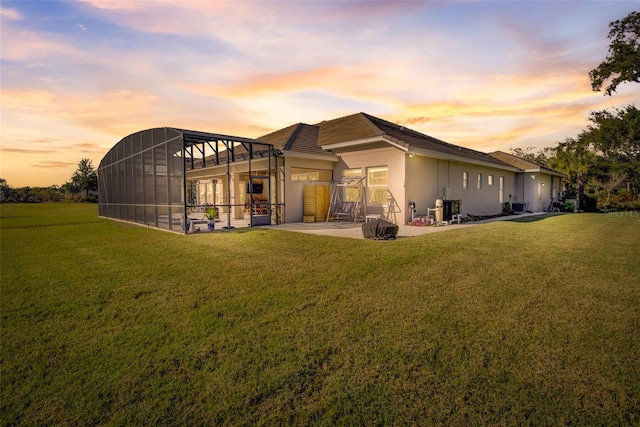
(143, 179)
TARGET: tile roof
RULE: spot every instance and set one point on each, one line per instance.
(522, 163)
(362, 125)
(309, 139)
(300, 137)
(348, 128)
(412, 138)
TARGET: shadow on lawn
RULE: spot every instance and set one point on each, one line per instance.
(534, 218)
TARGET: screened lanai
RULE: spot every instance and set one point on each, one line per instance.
(167, 178)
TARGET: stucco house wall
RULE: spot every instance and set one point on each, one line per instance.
(422, 183)
(428, 179)
(393, 159)
(294, 190)
(535, 185)
(485, 200)
(536, 191)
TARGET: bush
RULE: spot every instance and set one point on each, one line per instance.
(568, 207)
(623, 199)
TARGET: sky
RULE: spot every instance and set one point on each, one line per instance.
(78, 76)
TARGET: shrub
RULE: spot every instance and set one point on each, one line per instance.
(568, 206)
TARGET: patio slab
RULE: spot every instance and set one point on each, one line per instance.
(354, 231)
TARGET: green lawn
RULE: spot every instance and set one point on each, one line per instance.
(509, 323)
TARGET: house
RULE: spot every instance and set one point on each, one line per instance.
(537, 187)
(159, 176)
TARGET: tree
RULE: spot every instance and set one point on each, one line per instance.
(70, 190)
(5, 190)
(85, 177)
(608, 185)
(527, 154)
(574, 157)
(604, 156)
(623, 62)
(616, 135)
(617, 132)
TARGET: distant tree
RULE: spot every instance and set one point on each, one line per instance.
(70, 189)
(574, 157)
(611, 183)
(623, 61)
(540, 158)
(616, 135)
(604, 156)
(85, 177)
(617, 132)
(5, 190)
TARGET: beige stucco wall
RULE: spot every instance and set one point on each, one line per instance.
(422, 183)
(536, 190)
(294, 190)
(388, 156)
(428, 179)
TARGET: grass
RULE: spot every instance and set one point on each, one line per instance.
(506, 323)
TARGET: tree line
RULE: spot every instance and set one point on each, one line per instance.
(83, 186)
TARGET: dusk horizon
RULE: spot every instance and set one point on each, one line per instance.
(79, 76)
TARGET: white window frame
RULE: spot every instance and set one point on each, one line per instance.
(310, 174)
(377, 187)
(489, 179)
(501, 192)
(350, 193)
(479, 183)
(465, 180)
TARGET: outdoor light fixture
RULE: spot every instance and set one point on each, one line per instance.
(411, 155)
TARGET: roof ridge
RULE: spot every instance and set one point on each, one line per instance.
(292, 136)
(372, 125)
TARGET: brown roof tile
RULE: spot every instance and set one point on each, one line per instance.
(348, 128)
(300, 137)
(522, 164)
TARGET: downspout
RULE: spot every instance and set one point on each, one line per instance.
(437, 175)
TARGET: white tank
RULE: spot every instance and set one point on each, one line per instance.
(439, 210)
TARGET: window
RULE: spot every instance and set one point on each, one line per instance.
(479, 184)
(210, 192)
(242, 192)
(378, 185)
(465, 179)
(489, 179)
(351, 194)
(501, 189)
(304, 174)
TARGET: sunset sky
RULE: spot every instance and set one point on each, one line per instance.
(78, 76)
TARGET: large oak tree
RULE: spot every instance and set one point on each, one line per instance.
(623, 62)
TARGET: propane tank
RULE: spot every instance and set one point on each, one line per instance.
(439, 210)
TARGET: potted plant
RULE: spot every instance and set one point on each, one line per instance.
(211, 214)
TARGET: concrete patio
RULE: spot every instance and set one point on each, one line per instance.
(354, 231)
